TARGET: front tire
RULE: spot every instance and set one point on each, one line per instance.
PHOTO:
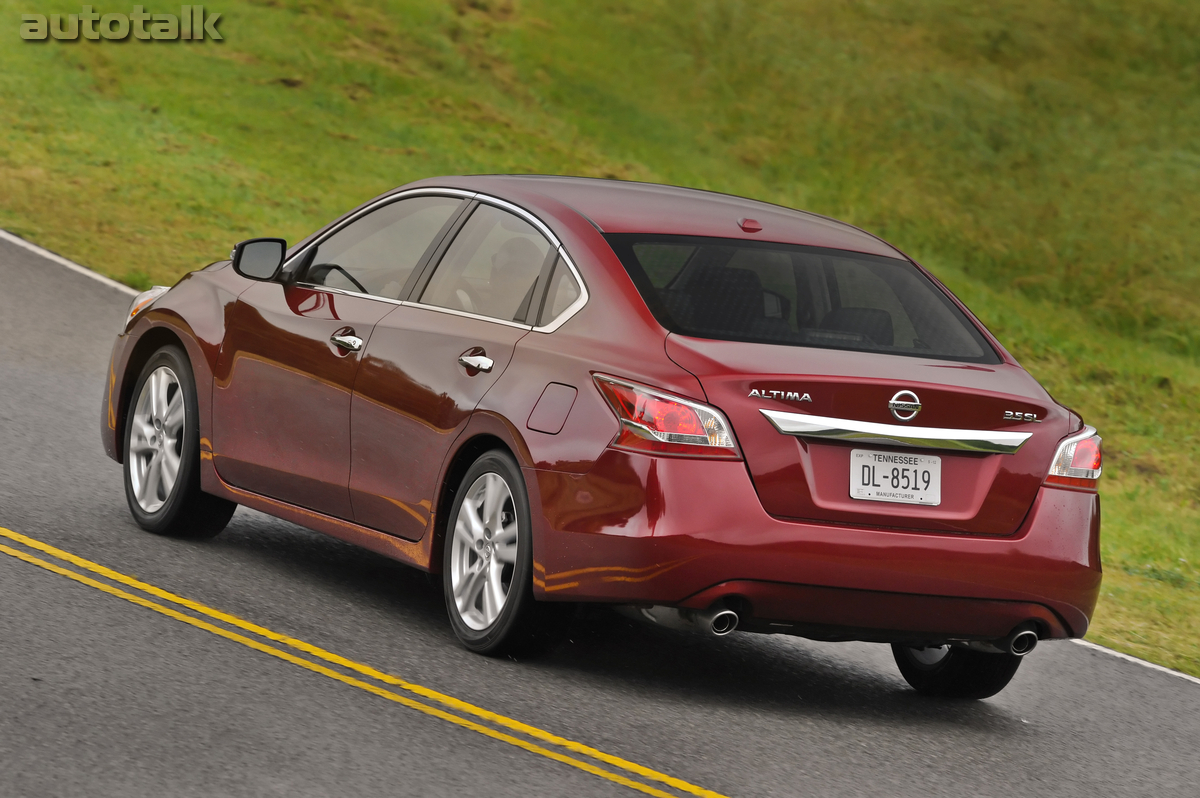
(162, 453)
(488, 563)
(954, 672)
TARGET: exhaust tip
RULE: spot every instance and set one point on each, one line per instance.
(1023, 642)
(724, 622)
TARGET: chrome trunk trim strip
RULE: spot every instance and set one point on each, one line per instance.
(843, 429)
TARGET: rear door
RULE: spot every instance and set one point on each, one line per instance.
(286, 371)
(431, 361)
(839, 349)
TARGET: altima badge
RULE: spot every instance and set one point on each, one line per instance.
(905, 405)
(787, 396)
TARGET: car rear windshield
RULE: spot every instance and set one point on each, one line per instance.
(736, 290)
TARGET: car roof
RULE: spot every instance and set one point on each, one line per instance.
(619, 206)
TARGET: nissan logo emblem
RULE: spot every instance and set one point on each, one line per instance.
(905, 406)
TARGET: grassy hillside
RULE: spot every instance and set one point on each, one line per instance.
(1042, 158)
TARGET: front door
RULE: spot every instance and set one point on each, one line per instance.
(288, 362)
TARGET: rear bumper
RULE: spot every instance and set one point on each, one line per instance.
(640, 529)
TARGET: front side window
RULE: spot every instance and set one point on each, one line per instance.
(492, 267)
(377, 253)
(801, 296)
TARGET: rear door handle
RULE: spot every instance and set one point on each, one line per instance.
(351, 342)
(476, 362)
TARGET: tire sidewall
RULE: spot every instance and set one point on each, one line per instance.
(165, 517)
(497, 637)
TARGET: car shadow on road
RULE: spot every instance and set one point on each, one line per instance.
(772, 674)
(605, 652)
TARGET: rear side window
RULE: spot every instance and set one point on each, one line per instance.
(800, 296)
(491, 268)
(563, 291)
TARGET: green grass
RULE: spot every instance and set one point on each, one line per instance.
(1042, 157)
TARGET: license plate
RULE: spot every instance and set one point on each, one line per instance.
(895, 477)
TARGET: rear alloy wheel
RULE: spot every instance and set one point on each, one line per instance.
(488, 563)
(162, 453)
(954, 672)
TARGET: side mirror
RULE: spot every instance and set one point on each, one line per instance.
(259, 258)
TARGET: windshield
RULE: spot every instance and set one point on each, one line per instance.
(736, 290)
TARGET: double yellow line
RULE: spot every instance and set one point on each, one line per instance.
(438, 705)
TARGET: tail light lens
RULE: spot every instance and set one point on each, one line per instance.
(1077, 463)
(661, 423)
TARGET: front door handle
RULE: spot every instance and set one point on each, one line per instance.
(351, 342)
(476, 362)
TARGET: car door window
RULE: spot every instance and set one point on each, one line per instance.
(492, 267)
(377, 253)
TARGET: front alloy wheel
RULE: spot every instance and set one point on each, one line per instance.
(162, 453)
(156, 439)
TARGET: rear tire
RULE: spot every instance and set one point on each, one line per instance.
(954, 672)
(162, 453)
(487, 572)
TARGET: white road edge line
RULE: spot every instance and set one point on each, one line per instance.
(61, 261)
(1135, 660)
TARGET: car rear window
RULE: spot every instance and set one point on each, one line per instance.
(736, 290)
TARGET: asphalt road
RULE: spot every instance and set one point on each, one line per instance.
(99, 696)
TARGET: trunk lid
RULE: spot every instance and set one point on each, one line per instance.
(808, 478)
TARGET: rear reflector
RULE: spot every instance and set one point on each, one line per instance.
(662, 423)
(1078, 461)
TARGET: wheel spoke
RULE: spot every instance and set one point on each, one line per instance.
(471, 588)
(470, 513)
(158, 393)
(173, 419)
(150, 390)
(494, 596)
(169, 470)
(143, 428)
(505, 536)
(494, 493)
(151, 481)
(506, 552)
(462, 532)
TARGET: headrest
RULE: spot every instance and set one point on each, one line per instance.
(874, 323)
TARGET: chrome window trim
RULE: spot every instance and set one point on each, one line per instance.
(388, 200)
(524, 214)
(358, 294)
(331, 290)
(541, 227)
(465, 314)
(842, 429)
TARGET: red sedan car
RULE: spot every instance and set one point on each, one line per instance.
(712, 412)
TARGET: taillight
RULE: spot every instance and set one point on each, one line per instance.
(661, 423)
(1077, 463)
